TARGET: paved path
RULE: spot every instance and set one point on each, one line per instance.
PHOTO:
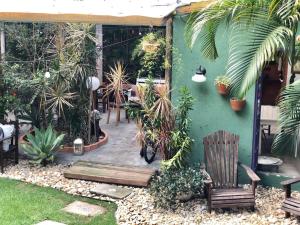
(121, 148)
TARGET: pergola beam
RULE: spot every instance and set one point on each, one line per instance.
(81, 18)
(194, 6)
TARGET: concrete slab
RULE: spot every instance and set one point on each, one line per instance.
(84, 209)
(121, 149)
(49, 222)
(111, 190)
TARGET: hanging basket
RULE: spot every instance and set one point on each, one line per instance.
(150, 47)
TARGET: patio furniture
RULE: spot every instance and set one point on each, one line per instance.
(221, 164)
(113, 105)
(13, 151)
(290, 204)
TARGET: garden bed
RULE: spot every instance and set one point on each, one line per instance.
(138, 207)
(70, 149)
(24, 203)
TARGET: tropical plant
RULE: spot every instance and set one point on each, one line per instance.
(287, 139)
(181, 143)
(150, 53)
(175, 185)
(117, 78)
(42, 145)
(260, 32)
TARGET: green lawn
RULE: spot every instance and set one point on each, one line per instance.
(26, 204)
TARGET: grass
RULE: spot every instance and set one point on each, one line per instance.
(27, 204)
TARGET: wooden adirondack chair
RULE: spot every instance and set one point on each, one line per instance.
(221, 163)
(290, 204)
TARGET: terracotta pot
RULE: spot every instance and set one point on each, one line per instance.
(237, 104)
(222, 89)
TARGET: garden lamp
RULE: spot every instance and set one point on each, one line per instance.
(93, 82)
(47, 75)
(199, 76)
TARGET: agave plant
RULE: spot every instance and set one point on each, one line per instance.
(42, 145)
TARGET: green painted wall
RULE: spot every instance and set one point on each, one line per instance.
(211, 112)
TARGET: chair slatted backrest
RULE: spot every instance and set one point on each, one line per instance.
(221, 158)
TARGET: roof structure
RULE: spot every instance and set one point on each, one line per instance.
(114, 12)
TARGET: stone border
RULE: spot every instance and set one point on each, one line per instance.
(87, 148)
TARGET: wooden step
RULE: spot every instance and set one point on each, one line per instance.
(107, 173)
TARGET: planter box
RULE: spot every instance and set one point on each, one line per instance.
(69, 149)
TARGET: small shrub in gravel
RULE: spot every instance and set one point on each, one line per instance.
(177, 184)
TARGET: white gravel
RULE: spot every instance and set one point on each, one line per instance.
(138, 207)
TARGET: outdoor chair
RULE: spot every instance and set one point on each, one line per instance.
(111, 104)
(221, 165)
(13, 152)
(290, 204)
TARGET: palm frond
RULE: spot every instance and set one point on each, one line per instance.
(248, 57)
(289, 118)
(203, 25)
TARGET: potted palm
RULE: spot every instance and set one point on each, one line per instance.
(222, 84)
(237, 104)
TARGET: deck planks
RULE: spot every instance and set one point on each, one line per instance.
(112, 174)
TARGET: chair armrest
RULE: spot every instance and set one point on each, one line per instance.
(208, 180)
(290, 181)
(251, 174)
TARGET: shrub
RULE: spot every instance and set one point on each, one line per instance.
(42, 146)
(171, 185)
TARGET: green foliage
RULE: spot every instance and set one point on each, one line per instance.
(225, 80)
(152, 63)
(258, 30)
(42, 145)
(289, 120)
(171, 184)
(41, 203)
(181, 142)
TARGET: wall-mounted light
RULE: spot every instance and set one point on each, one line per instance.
(199, 76)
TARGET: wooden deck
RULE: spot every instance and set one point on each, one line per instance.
(107, 173)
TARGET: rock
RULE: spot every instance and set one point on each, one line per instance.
(138, 207)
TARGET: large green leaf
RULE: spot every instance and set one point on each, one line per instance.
(289, 119)
(251, 49)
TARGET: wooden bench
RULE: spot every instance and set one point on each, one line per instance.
(290, 204)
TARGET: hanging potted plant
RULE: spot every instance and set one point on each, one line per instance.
(150, 43)
(237, 104)
(222, 84)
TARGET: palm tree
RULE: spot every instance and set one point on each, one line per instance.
(270, 27)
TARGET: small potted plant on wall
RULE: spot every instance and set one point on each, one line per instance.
(237, 104)
(222, 84)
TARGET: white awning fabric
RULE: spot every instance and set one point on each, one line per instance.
(126, 12)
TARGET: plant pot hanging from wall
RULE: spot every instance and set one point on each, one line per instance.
(149, 47)
(237, 104)
(222, 89)
(222, 84)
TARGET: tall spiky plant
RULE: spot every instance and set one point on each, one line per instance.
(117, 78)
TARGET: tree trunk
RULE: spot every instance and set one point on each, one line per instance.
(99, 50)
